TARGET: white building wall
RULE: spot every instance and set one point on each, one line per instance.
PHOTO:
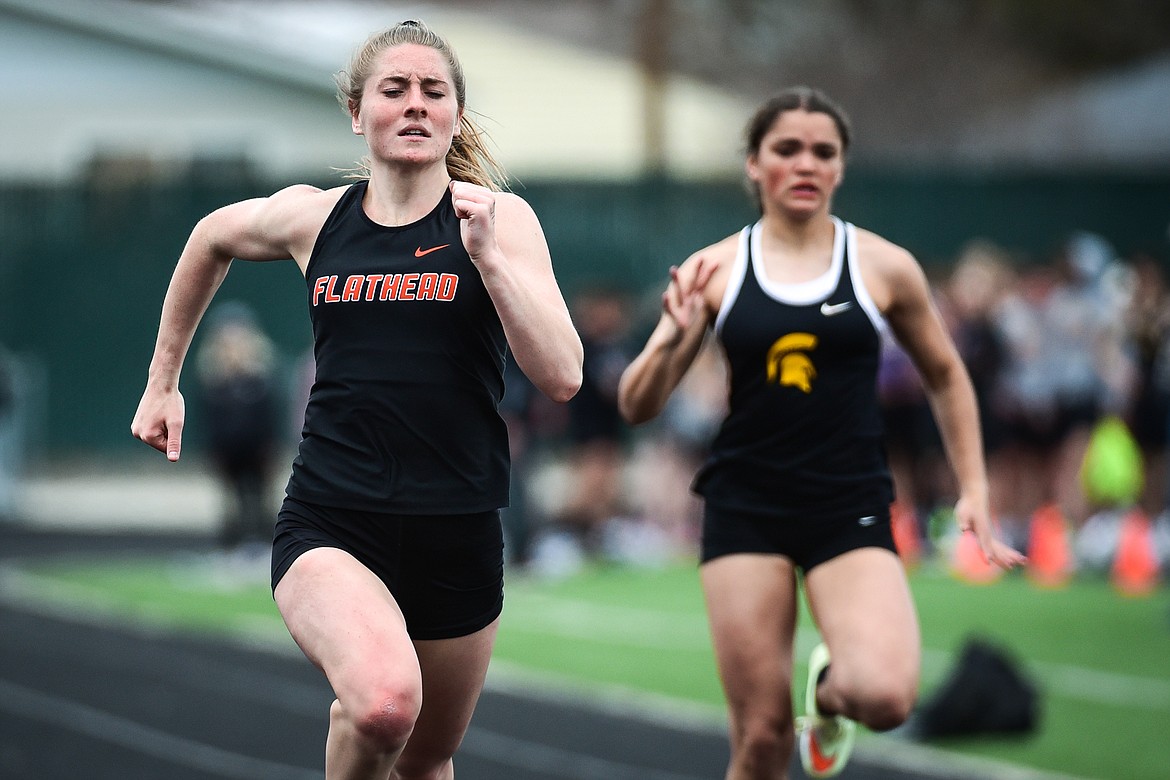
(72, 89)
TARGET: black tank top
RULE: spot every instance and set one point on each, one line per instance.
(803, 435)
(403, 414)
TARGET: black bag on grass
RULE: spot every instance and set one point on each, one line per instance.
(985, 694)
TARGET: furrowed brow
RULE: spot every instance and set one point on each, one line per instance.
(426, 81)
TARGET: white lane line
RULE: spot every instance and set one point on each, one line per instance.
(606, 698)
(890, 753)
(622, 626)
(580, 619)
(113, 729)
(634, 627)
(1075, 682)
(1093, 685)
(607, 624)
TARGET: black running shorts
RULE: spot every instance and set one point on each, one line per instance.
(806, 542)
(445, 571)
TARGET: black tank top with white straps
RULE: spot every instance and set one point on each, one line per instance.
(803, 435)
(403, 413)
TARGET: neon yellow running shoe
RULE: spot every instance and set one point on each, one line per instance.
(825, 741)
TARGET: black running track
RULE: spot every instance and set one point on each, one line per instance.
(80, 699)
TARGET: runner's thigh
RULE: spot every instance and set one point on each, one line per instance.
(861, 603)
(751, 605)
(346, 622)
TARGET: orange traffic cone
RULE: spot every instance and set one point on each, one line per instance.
(969, 564)
(1135, 566)
(1049, 556)
(904, 525)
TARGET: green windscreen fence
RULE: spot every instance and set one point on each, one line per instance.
(83, 270)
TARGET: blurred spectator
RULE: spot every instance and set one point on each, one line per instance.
(1024, 404)
(975, 294)
(236, 372)
(1082, 332)
(596, 457)
(516, 408)
(1145, 415)
(671, 453)
(913, 445)
(1065, 367)
(1147, 323)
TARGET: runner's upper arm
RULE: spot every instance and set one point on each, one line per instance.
(521, 239)
(277, 227)
(915, 319)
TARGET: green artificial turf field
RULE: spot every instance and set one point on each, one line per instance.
(1100, 660)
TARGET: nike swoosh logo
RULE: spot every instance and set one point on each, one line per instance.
(867, 520)
(831, 309)
(420, 252)
(820, 761)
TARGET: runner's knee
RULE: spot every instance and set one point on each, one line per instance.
(882, 704)
(384, 715)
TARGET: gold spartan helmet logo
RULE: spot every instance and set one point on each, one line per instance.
(787, 359)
